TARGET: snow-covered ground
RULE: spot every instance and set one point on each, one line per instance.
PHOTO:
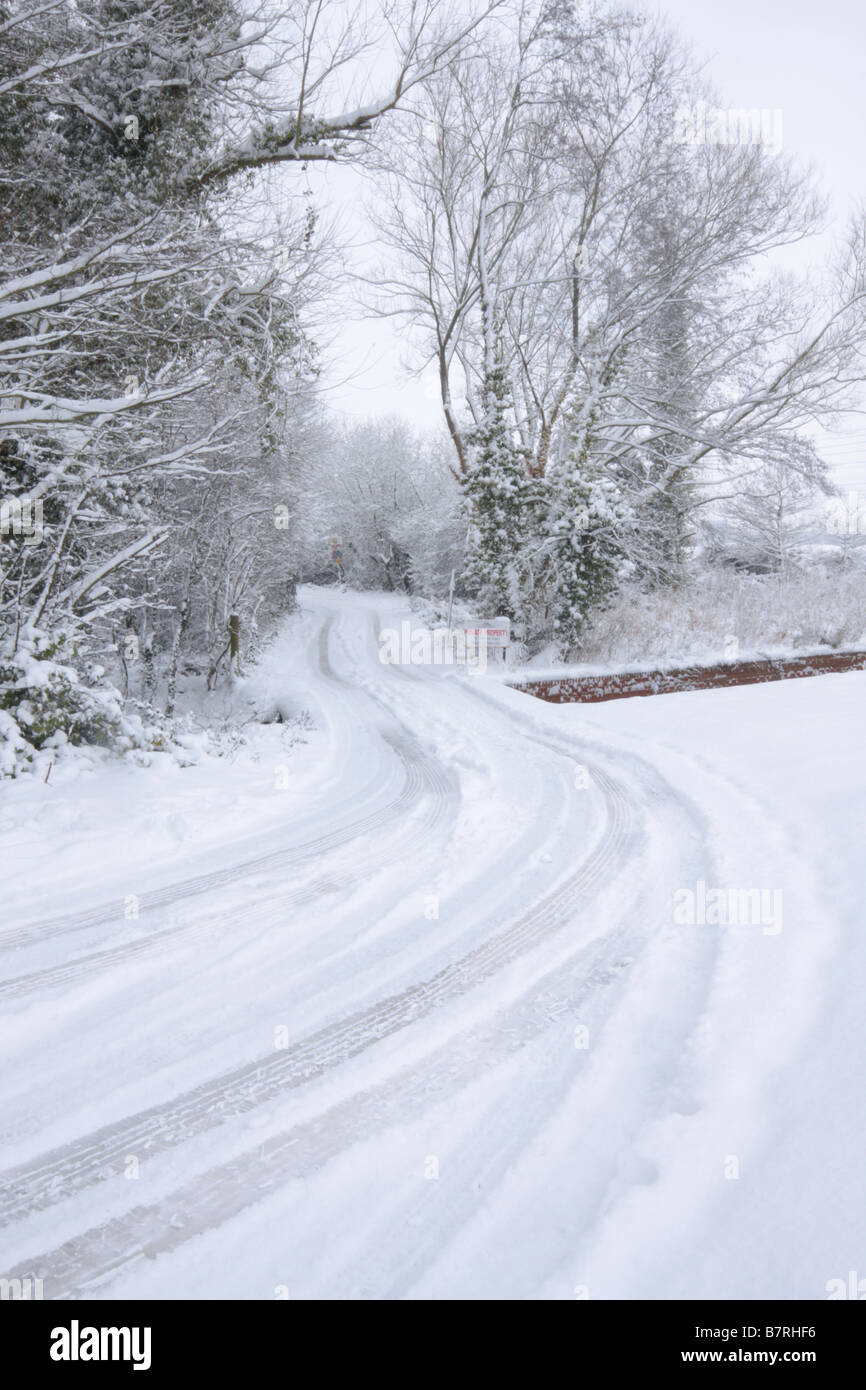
(410, 1008)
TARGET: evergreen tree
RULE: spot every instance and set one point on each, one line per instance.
(587, 523)
(503, 502)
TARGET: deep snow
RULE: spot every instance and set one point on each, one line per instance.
(406, 1010)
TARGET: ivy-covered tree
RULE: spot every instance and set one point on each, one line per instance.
(503, 505)
(587, 526)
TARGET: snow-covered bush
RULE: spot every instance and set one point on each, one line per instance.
(721, 612)
(48, 694)
(48, 708)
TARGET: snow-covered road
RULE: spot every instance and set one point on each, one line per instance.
(409, 1011)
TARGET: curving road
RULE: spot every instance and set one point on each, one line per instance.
(408, 1042)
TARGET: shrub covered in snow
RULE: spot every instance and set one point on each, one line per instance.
(48, 695)
(47, 706)
(721, 612)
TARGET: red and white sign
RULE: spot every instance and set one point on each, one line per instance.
(495, 633)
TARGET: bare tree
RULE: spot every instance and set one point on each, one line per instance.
(620, 273)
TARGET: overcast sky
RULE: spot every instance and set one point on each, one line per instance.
(802, 58)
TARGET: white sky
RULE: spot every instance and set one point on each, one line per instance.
(803, 58)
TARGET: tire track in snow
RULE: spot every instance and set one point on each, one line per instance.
(426, 783)
(75, 1166)
(423, 779)
(307, 852)
(82, 1265)
(216, 1195)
